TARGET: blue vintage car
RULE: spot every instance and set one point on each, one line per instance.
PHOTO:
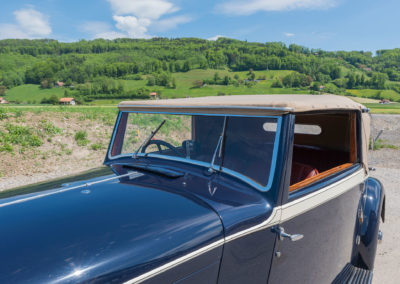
(235, 189)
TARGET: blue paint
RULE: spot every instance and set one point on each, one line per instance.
(371, 205)
(118, 226)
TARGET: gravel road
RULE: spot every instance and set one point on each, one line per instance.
(387, 164)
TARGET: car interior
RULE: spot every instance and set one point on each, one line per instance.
(324, 144)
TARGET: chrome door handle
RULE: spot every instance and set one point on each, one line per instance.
(282, 235)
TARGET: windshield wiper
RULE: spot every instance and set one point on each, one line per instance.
(219, 147)
(147, 141)
(155, 169)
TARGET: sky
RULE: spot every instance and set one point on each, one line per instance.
(367, 25)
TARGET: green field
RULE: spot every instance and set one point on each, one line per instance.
(376, 94)
(384, 108)
(32, 94)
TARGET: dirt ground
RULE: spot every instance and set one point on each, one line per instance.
(387, 164)
(22, 171)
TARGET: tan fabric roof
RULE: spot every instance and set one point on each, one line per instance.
(227, 104)
(256, 105)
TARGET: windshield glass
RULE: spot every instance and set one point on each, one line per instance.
(246, 147)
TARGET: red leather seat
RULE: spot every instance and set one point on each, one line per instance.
(301, 172)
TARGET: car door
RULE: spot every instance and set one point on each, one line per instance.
(321, 224)
(319, 209)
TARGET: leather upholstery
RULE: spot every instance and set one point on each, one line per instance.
(301, 172)
(321, 159)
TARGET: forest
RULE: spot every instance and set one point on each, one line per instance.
(104, 69)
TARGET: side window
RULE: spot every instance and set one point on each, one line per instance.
(249, 146)
(324, 144)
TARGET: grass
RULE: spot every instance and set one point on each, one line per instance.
(81, 138)
(30, 93)
(376, 94)
(384, 108)
(381, 144)
(18, 135)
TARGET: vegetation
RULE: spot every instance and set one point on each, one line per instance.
(380, 144)
(131, 68)
(81, 138)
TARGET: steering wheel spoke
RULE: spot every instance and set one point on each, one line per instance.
(160, 143)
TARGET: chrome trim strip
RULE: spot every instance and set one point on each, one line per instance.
(53, 192)
(272, 220)
(175, 262)
(310, 201)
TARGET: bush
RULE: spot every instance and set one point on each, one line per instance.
(96, 146)
(277, 84)
(18, 135)
(3, 114)
(81, 138)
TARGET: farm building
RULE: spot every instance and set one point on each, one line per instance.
(67, 101)
(60, 84)
(153, 95)
(3, 101)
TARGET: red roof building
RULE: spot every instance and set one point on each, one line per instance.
(67, 101)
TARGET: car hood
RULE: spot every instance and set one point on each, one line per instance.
(100, 224)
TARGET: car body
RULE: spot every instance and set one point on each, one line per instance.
(258, 189)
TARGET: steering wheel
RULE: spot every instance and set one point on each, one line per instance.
(160, 143)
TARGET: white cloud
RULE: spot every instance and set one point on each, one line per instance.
(30, 24)
(33, 22)
(132, 26)
(171, 23)
(239, 7)
(133, 18)
(214, 38)
(149, 9)
(101, 30)
(289, 34)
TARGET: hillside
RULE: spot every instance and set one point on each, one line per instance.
(131, 68)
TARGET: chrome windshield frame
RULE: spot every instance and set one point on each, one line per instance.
(206, 165)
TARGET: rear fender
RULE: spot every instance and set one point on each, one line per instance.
(371, 210)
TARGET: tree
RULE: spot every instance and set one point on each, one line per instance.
(3, 90)
(46, 84)
(351, 82)
(226, 80)
(186, 66)
(198, 84)
(277, 84)
(378, 80)
(216, 77)
(151, 81)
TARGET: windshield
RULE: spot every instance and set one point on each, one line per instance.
(245, 146)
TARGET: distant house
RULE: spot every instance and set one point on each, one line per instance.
(321, 87)
(367, 69)
(60, 84)
(153, 95)
(384, 101)
(3, 101)
(67, 101)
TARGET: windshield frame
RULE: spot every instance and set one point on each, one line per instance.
(206, 165)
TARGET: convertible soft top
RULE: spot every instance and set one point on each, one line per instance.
(247, 104)
(257, 105)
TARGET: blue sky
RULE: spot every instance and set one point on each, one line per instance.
(327, 24)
